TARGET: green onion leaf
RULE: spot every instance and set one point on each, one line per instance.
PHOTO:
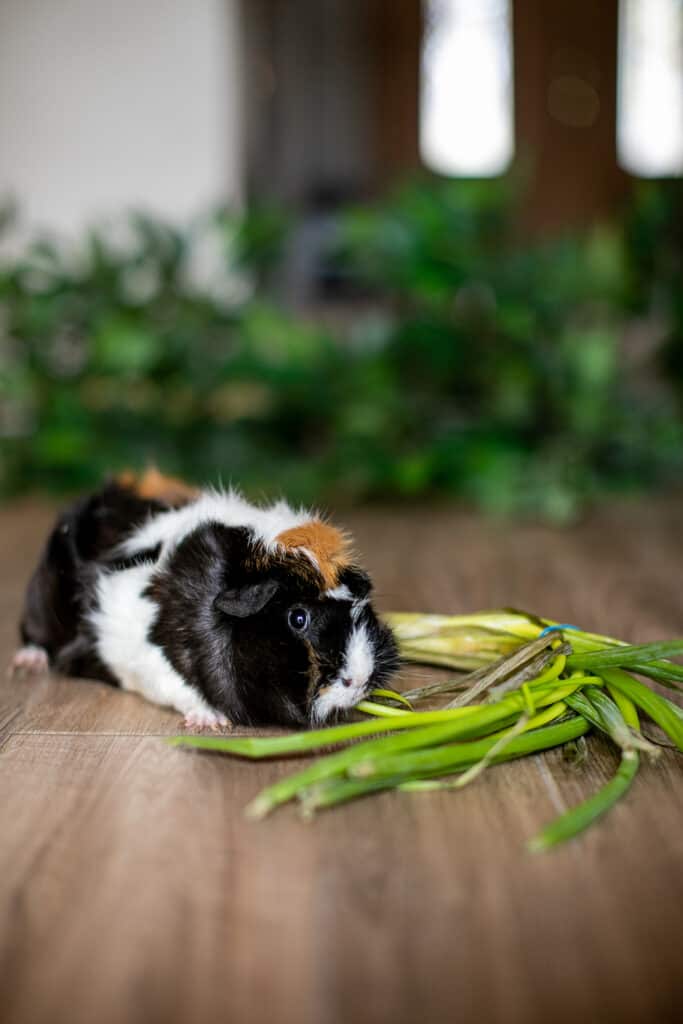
(668, 716)
(392, 695)
(579, 818)
(616, 657)
(665, 672)
(441, 760)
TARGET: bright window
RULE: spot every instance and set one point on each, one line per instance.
(650, 112)
(466, 115)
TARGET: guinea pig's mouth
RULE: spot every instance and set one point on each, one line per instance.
(340, 695)
(370, 657)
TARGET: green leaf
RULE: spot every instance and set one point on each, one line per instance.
(369, 707)
(579, 818)
(337, 764)
(340, 790)
(442, 759)
(665, 672)
(258, 747)
(392, 695)
(668, 716)
(617, 717)
(616, 657)
(126, 347)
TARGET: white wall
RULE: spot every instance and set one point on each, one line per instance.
(106, 105)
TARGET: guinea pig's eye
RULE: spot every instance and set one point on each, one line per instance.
(298, 619)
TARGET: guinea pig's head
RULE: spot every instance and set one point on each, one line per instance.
(306, 643)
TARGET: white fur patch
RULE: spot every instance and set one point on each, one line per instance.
(333, 698)
(226, 507)
(358, 666)
(359, 660)
(122, 622)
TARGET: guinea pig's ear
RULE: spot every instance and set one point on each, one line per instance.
(358, 581)
(245, 601)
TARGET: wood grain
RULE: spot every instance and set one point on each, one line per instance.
(132, 889)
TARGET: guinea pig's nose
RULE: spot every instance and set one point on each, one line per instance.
(346, 680)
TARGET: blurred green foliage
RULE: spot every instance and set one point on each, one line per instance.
(654, 238)
(481, 366)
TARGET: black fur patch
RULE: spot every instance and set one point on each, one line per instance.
(60, 590)
(356, 579)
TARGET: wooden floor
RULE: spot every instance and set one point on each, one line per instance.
(133, 890)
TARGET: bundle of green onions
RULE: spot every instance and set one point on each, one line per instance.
(530, 684)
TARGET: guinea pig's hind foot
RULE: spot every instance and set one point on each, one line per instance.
(206, 719)
(30, 660)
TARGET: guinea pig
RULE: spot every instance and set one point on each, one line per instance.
(226, 611)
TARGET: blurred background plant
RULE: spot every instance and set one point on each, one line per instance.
(529, 378)
(654, 239)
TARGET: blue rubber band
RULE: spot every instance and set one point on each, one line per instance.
(557, 628)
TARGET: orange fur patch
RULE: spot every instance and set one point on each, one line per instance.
(155, 486)
(328, 545)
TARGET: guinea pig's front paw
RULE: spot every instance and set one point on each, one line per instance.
(28, 660)
(206, 719)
